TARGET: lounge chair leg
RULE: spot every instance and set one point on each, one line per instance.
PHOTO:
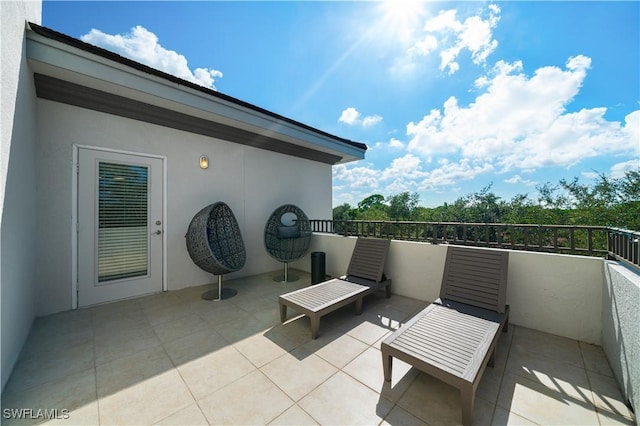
(387, 363)
(466, 399)
(359, 306)
(388, 291)
(492, 359)
(315, 326)
(283, 312)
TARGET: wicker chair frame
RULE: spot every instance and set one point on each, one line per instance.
(287, 240)
(214, 242)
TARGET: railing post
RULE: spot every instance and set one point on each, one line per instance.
(512, 236)
(488, 235)
(572, 240)
(540, 237)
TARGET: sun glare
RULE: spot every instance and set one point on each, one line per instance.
(402, 18)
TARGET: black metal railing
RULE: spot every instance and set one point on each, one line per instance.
(565, 239)
(624, 245)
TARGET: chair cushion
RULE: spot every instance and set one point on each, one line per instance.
(288, 232)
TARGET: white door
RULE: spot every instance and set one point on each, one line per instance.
(120, 226)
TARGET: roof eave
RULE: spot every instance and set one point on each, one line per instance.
(71, 60)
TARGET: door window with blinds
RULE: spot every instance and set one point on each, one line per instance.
(120, 230)
(123, 217)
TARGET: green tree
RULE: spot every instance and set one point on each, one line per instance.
(403, 206)
(606, 202)
(343, 212)
(630, 185)
(372, 201)
(372, 208)
(484, 206)
(521, 209)
(548, 196)
(627, 212)
(609, 202)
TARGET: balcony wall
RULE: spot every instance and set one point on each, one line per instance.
(621, 333)
(557, 294)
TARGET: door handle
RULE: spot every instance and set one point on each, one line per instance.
(158, 232)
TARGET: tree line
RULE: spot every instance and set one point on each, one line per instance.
(607, 202)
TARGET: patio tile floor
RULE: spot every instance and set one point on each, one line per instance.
(173, 358)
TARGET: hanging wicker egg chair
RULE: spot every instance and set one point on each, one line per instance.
(214, 243)
(287, 237)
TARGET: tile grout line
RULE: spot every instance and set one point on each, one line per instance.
(95, 362)
(284, 392)
(502, 373)
(175, 368)
(591, 391)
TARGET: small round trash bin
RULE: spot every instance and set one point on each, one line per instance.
(317, 267)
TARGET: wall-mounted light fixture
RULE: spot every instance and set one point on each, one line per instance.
(204, 162)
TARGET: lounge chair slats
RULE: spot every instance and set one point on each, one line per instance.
(369, 257)
(443, 339)
(454, 338)
(364, 275)
(319, 296)
(475, 278)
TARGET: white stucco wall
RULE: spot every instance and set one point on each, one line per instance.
(415, 268)
(251, 181)
(557, 294)
(17, 183)
(621, 328)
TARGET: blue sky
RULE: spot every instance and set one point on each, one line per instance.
(449, 96)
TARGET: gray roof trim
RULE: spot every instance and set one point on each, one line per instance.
(81, 96)
(68, 59)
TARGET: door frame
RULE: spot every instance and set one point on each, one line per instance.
(74, 214)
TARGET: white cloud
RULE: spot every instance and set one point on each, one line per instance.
(371, 120)
(517, 179)
(395, 143)
(407, 173)
(351, 116)
(425, 46)
(407, 167)
(632, 129)
(392, 145)
(356, 177)
(618, 170)
(452, 36)
(477, 36)
(446, 20)
(520, 122)
(142, 45)
(449, 173)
